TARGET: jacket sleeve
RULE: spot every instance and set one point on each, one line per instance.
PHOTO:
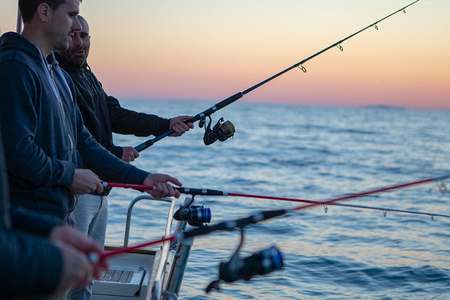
(102, 162)
(18, 89)
(126, 121)
(32, 222)
(117, 151)
(30, 266)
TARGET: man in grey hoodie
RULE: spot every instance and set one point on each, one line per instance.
(50, 156)
(46, 142)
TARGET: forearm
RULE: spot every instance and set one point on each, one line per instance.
(125, 121)
(117, 151)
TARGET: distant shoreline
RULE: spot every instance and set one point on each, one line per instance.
(290, 104)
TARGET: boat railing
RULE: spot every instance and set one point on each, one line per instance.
(166, 280)
(130, 212)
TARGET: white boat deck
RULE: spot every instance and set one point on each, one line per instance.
(128, 276)
(146, 274)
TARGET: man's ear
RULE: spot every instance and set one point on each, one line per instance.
(44, 12)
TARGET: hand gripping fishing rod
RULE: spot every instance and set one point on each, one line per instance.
(223, 131)
(211, 192)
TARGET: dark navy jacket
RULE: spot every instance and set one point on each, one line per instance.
(102, 114)
(30, 265)
(43, 131)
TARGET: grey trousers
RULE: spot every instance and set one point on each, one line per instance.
(90, 216)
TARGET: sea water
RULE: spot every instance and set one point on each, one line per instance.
(312, 153)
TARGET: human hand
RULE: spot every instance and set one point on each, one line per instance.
(80, 242)
(77, 271)
(161, 185)
(179, 126)
(85, 181)
(129, 154)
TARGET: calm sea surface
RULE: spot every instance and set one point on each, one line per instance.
(313, 153)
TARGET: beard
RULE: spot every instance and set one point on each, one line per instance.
(77, 60)
(71, 58)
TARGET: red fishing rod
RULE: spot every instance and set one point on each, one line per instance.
(259, 216)
(210, 192)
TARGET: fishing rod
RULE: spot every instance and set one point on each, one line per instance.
(261, 216)
(263, 261)
(19, 21)
(224, 130)
(211, 192)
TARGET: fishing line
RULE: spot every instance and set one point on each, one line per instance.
(211, 192)
(257, 217)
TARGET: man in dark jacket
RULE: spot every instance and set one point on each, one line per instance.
(102, 114)
(38, 255)
(46, 141)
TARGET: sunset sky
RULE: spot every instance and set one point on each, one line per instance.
(210, 49)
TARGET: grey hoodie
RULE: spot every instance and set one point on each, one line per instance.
(44, 136)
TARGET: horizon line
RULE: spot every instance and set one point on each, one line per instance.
(292, 103)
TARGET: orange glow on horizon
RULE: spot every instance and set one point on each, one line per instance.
(209, 50)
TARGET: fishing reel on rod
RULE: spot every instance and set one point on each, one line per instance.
(259, 263)
(195, 215)
(222, 131)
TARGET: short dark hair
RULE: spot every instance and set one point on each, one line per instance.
(28, 7)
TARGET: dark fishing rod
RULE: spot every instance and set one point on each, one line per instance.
(222, 131)
(259, 216)
(211, 192)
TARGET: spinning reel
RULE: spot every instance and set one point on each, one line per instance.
(222, 131)
(259, 263)
(195, 215)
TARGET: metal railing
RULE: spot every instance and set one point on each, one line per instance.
(173, 256)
